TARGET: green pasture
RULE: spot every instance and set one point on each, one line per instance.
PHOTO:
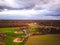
(10, 35)
(9, 29)
(48, 39)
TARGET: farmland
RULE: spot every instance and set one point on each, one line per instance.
(20, 32)
(47, 39)
(50, 39)
(10, 35)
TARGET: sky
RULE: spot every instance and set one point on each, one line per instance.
(29, 9)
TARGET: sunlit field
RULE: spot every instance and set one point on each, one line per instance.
(29, 36)
(10, 36)
(50, 39)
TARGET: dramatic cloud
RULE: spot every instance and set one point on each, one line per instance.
(37, 4)
(30, 9)
(29, 15)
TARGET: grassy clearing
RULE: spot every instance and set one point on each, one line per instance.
(11, 35)
(44, 40)
(9, 29)
(34, 40)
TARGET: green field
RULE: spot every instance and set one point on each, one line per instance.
(10, 35)
(53, 39)
(48, 39)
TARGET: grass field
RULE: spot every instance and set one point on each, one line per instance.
(10, 35)
(49, 39)
(53, 39)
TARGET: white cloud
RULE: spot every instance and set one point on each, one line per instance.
(37, 9)
(44, 4)
(27, 14)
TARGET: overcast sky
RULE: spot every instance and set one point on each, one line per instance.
(30, 9)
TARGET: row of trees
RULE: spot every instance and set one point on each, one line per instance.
(49, 30)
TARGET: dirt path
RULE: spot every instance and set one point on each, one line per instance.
(18, 40)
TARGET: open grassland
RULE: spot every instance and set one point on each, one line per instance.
(52, 39)
(10, 35)
(8, 29)
(48, 39)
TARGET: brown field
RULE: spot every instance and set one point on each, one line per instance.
(44, 40)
